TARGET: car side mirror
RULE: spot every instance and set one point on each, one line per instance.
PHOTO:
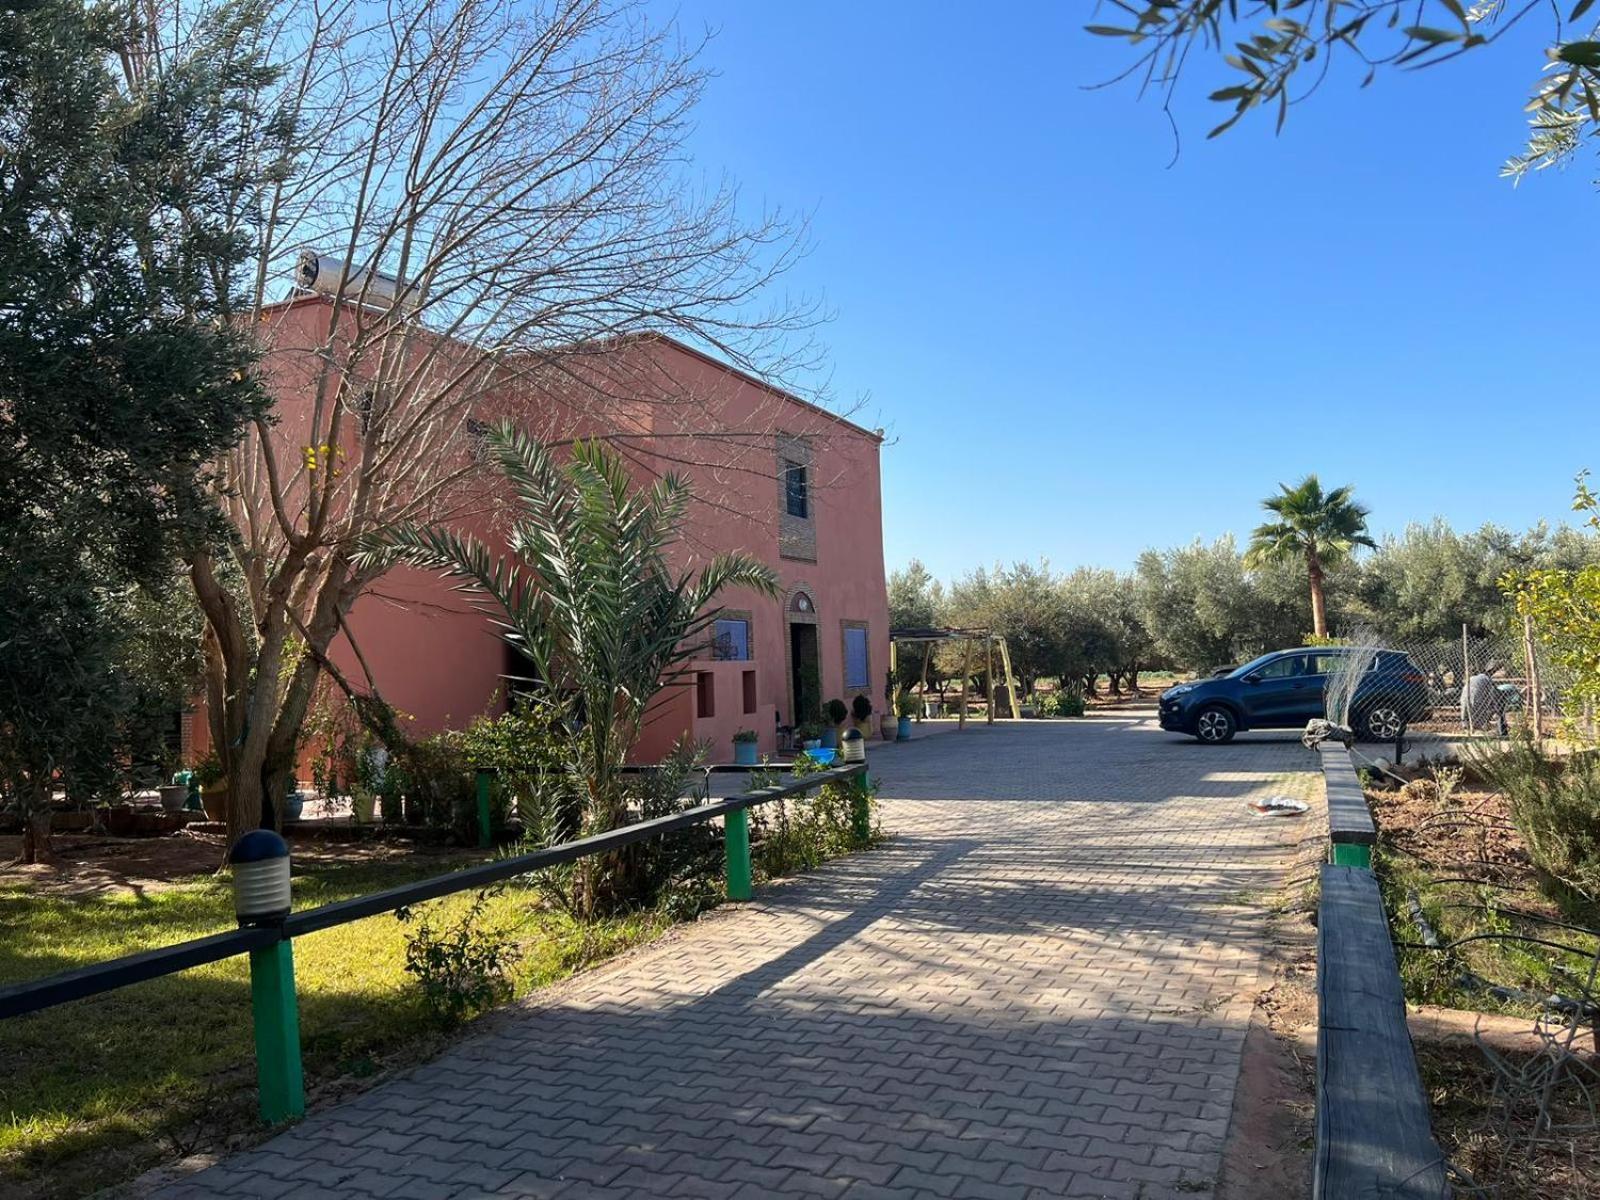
(1252, 678)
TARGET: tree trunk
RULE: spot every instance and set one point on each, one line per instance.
(36, 825)
(1133, 679)
(1319, 609)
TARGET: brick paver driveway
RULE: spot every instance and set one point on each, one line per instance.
(1039, 987)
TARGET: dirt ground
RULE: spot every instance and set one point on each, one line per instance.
(94, 865)
(1268, 1152)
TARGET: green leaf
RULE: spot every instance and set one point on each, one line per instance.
(1580, 54)
(1578, 9)
(1434, 37)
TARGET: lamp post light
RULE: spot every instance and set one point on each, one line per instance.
(853, 746)
(260, 861)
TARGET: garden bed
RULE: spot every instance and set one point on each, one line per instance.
(1454, 867)
(1458, 868)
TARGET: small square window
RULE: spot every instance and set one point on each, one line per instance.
(796, 489)
(730, 640)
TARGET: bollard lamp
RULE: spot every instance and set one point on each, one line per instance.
(853, 746)
(260, 861)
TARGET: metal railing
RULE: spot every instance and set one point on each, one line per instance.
(274, 1006)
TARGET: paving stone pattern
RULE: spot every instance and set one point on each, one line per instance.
(1039, 987)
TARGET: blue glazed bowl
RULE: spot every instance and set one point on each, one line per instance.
(822, 758)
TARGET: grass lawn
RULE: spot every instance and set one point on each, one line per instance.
(99, 1089)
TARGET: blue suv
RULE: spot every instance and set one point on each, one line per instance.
(1284, 690)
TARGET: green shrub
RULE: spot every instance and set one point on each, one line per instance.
(524, 747)
(836, 712)
(1555, 805)
(799, 833)
(462, 967)
(861, 708)
(439, 785)
(1063, 702)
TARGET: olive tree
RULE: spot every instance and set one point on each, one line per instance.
(1280, 51)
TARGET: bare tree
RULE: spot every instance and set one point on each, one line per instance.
(498, 192)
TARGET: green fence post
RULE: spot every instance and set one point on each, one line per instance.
(277, 1027)
(736, 839)
(1352, 854)
(484, 780)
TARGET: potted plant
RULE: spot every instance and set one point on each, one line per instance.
(836, 712)
(372, 765)
(173, 796)
(809, 736)
(213, 787)
(744, 747)
(861, 712)
(905, 707)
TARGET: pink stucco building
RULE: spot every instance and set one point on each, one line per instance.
(774, 476)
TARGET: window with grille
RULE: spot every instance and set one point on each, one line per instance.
(730, 639)
(796, 489)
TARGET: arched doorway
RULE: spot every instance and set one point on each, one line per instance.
(805, 657)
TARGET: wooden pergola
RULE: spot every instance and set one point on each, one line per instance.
(967, 637)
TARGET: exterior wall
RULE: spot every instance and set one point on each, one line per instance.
(439, 660)
(738, 486)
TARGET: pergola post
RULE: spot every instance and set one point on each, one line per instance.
(988, 675)
(1011, 679)
(922, 687)
(966, 676)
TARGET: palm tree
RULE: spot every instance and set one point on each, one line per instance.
(587, 595)
(1324, 528)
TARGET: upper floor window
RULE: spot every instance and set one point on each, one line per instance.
(730, 640)
(796, 489)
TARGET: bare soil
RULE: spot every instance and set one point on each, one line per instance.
(1268, 1152)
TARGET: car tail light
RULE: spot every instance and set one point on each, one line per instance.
(1411, 677)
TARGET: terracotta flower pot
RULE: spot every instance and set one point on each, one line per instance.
(214, 799)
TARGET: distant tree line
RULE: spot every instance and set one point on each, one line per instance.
(1199, 606)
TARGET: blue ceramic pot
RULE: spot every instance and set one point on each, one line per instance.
(902, 732)
(744, 754)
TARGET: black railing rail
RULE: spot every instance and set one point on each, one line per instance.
(32, 995)
(35, 994)
(342, 911)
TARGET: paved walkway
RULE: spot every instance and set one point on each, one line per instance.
(1038, 988)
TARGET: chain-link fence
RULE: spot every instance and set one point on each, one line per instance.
(1447, 691)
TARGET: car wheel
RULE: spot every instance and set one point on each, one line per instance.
(1215, 725)
(1382, 723)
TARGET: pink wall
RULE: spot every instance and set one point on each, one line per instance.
(440, 661)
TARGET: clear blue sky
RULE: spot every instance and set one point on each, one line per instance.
(1079, 351)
